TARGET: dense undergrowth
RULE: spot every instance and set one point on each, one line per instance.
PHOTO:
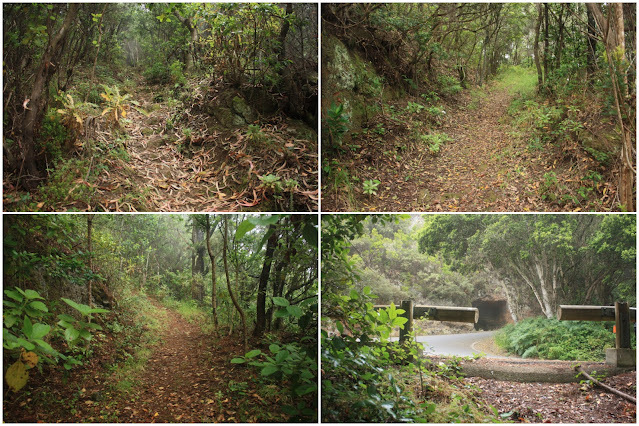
(563, 340)
(576, 134)
(367, 378)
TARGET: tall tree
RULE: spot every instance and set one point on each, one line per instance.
(239, 309)
(35, 105)
(213, 274)
(260, 320)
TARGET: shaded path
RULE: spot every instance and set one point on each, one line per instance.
(185, 377)
(179, 158)
(482, 168)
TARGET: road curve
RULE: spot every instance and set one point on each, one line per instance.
(453, 344)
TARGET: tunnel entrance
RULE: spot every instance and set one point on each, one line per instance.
(493, 313)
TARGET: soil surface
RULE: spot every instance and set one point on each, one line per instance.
(188, 378)
(483, 167)
(561, 403)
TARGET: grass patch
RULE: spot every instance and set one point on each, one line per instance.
(517, 79)
(190, 311)
(563, 340)
(141, 332)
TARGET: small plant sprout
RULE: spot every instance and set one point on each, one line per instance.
(254, 133)
(272, 182)
(370, 186)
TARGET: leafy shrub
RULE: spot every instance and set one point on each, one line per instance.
(414, 108)
(553, 339)
(177, 75)
(449, 85)
(53, 136)
(336, 124)
(434, 141)
(25, 329)
(293, 363)
(370, 186)
(158, 73)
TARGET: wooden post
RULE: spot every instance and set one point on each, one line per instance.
(622, 323)
(407, 305)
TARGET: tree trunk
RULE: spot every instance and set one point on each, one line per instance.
(540, 75)
(591, 45)
(260, 323)
(89, 249)
(37, 101)
(546, 42)
(213, 275)
(228, 283)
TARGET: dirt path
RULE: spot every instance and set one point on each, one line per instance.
(187, 379)
(482, 167)
(164, 171)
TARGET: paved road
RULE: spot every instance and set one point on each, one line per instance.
(453, 344)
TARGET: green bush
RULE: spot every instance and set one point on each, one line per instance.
(53, 136)
(158, 73)
(553, 339)
(177, 76)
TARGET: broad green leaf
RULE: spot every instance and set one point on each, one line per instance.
(14, 295)
(268, 370)
(67, 318)
(280, 301)
(27, 327)
(39, 306)
(10, 320)
(44, 345)
(282, 313)
(85, 334)
(98, 311)
(399, 321)
(32, 294)
(310, 234)
(294, 311)
(281, 356)
(243, 228)
(238, 361)
(354, 295)
(40, 330)
(274, 348)
(83, 309)
(264, 220)
(25, 344)
(253, 353)
(340, 327)
(71, 334)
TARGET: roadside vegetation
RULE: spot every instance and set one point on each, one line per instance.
(563, 340)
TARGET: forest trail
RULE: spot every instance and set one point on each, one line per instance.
(178, 158)
(482, 168)
(164, 171)
(182, 377)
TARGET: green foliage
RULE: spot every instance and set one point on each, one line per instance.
(53, 136)
(255, 134)
(25, 328)
(157, 73)
(370, 186)
(449, 86)
(292, 363)
(414, 108)
(337, 124)
(434, 141)
(177, 74)
(553, 339)
(116, 104)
